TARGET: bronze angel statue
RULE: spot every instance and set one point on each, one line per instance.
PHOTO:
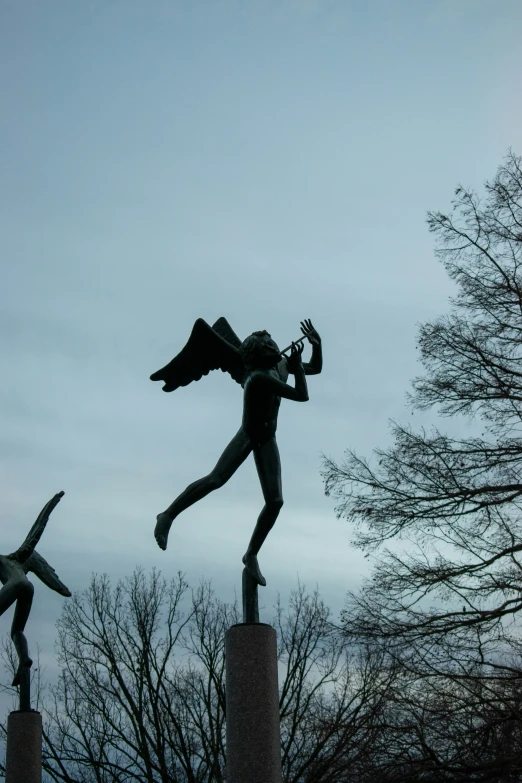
(17, 587)
(262, 370)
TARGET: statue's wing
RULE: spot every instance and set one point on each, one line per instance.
(207, 349)
(35, 533)
(39, 566)
(223, 328)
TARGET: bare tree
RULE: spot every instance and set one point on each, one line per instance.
(131, 705)
(331, 704)
(141, 695)
(440, 514)
(456, 501)
(438, 729)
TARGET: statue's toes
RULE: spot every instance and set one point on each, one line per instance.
(160, 541)
(161, 531)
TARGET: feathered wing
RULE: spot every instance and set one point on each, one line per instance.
(35, 533)
(223, 328)
(39, 566)
(207, 349)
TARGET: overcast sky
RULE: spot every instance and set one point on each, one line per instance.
(265, 160)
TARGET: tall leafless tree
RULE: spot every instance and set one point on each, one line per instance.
(441, 515)
(439, 729)
(141, 696)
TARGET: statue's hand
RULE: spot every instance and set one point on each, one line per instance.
(294, 361)
(310, 333)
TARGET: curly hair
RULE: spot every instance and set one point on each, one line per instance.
(250, 348)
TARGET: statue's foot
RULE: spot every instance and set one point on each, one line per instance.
(25, 664)
(161, 531)
(252, 566)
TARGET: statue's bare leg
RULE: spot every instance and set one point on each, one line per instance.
(234, 455)
(21, 591)
(268, 466)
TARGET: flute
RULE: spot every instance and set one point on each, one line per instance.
(299, 340)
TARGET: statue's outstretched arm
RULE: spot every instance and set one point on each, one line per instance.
(39, 566)
(27, 548)
(315, 365)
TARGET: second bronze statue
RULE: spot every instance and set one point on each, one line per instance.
(18, 589)
(260, 367)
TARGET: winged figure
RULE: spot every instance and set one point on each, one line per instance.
(258, 365)
(17, 587)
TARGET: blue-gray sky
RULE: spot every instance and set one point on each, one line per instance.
(265, 160)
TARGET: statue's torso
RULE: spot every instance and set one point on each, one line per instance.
(10, 569)
(260, 408)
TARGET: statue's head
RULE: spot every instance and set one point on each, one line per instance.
(260, 351)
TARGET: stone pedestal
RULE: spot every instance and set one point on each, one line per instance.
(23, 762)
(252, 704)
